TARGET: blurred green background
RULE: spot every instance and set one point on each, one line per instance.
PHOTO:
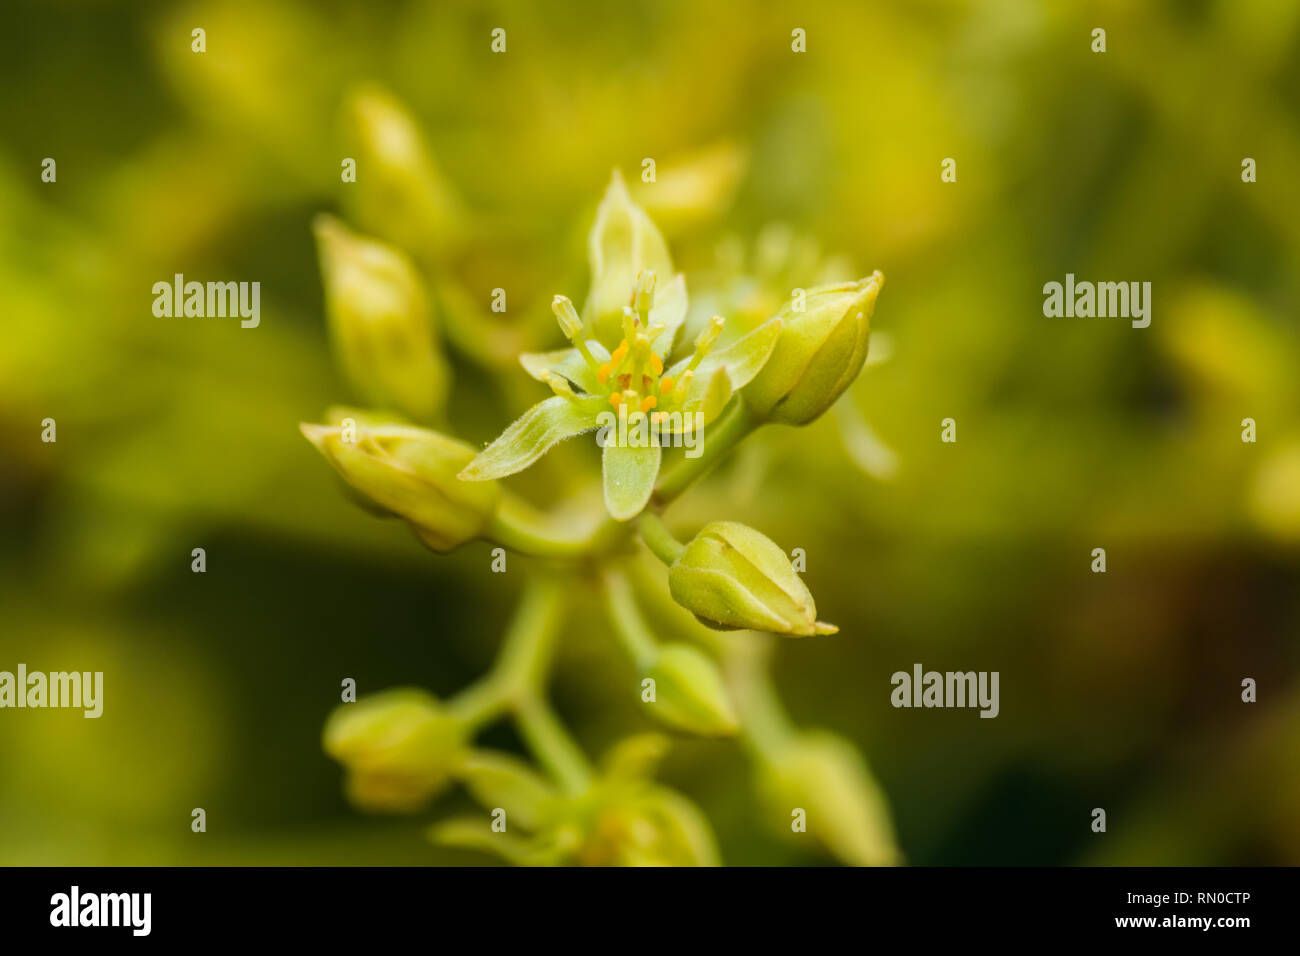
(1119, 690)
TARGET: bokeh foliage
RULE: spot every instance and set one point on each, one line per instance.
(1119, 690)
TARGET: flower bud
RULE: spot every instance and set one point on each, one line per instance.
(400, 194)
(825, 776)
(380, 323)
(821, 349)
(399, 747)
(730, 576)
(411, 473)
(689, 693)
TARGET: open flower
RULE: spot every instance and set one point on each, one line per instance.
(637, 402)
(623, 818)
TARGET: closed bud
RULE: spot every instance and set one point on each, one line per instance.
(380, 323)
(399, 747)
(411, 473)
(689, 693)
(730, 576)
(818, 355)
(825, 776)
(400, 194)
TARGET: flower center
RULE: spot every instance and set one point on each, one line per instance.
(634, 375)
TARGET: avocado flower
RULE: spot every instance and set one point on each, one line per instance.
(623, 818)
(638, 401)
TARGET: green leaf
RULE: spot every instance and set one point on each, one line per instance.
(568, 363)
(500, 780)
(629, 478)
(533, 434)
(623, 242)
(635, 757)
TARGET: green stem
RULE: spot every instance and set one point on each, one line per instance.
(526, 652)
(552, 745)
(520, 528)
(479, 704)
(723, 435)
(628, 622)
(658, 538)
(766, 727)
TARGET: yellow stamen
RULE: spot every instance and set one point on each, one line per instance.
(616, 399)
(705, 342)
(571, 326)
(657, 364)
(648, 403)
(602, 373)
(666, 384)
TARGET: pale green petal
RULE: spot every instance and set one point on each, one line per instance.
(744, 358)
(635, 757)
(533, 434)
(475, 833)
(623, 242)
(629, 478)
(568, 363)
(669, 311)
(500, 780)
(708, 394)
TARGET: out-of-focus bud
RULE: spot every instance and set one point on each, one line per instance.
(823, 345)
(653, 827)
(1274, 497)
(730, 576)
(380, 323)
(695, 190)
(399, 747)
(845, 811)
(689, 692)
(399, 193)
(411, 473)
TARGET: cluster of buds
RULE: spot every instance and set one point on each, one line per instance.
(402, 748)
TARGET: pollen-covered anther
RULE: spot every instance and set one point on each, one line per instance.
(648, 403)
(644, 297)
